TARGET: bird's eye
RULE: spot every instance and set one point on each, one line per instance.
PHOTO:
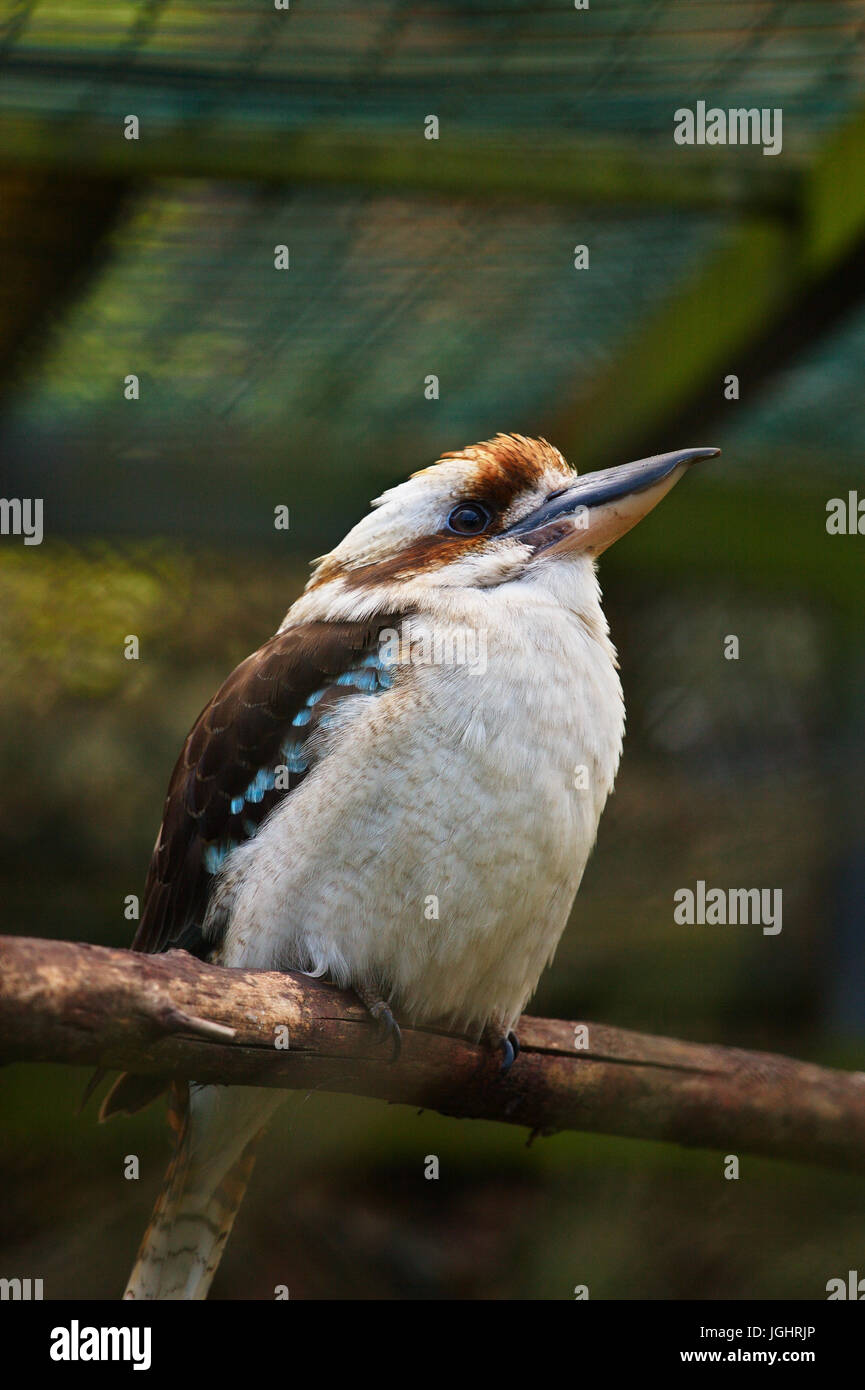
(469, 519)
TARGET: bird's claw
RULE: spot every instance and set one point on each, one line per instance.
(510, 1048)
(388, 1030)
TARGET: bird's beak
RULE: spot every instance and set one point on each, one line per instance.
(602, 506)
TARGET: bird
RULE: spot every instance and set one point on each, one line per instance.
(438, 720)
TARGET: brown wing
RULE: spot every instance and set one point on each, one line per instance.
(246, 751)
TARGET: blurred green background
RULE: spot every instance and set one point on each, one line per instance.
(454, 258)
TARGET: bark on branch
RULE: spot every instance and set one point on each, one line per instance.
(65, 1002)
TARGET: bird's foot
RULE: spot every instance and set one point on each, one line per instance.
(506, 1043)
(380, 1011)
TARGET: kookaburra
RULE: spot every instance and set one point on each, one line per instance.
(411, 733)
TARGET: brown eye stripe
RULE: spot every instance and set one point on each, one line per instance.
(503, 468)
(425, 552)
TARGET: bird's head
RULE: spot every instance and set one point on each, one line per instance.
(509, 509)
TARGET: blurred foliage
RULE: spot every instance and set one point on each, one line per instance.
(89, 736)
(62, 620)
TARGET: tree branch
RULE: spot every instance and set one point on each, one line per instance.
(66, 1002)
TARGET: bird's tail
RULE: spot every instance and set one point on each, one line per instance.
(217, 1135)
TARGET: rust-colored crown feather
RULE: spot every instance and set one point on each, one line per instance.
(504, 466)
(495, 472)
